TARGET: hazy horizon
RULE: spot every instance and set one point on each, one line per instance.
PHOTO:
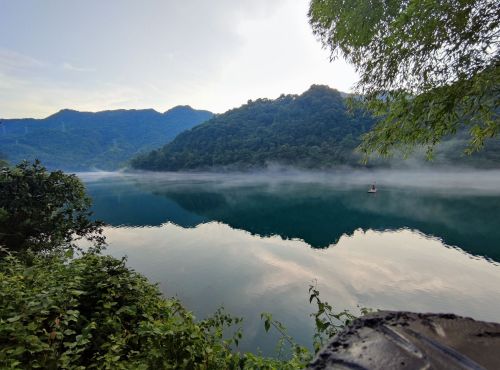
(161, 111)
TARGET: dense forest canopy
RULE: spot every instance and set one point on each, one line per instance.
(428, 69)
(73, 140)
(3, 160)
(312, 130)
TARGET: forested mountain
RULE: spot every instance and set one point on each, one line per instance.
(73, 140)
(312, 130)
(309, 130)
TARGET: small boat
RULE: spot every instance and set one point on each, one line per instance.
(373, 189)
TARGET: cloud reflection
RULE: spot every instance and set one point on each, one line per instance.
(212, 265)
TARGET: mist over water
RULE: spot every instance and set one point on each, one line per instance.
(449, 179)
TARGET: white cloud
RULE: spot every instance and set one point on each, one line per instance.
(70, 67)
(11, 60)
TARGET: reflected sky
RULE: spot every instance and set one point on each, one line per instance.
(213, 265)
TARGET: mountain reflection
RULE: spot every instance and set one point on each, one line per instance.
(314, 212)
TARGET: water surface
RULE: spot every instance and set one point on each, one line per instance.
(254, 243)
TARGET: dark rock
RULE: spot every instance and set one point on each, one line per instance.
(404, 340)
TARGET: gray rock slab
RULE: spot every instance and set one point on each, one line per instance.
(404, 340)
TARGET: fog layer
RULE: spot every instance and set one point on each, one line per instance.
(447, 180)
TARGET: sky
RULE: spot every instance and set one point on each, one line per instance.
(126, 54)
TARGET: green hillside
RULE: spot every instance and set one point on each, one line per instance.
(311, 130)
(73, 140)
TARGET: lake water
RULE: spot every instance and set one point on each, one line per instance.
(252, 243)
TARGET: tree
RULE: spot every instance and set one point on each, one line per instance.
(3, 159)
(307, 130)
(43, 211)
(427, 68)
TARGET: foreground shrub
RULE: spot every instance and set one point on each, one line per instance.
(44, 212)
(94, 312)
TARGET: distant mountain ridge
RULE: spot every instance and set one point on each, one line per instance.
(79, 141)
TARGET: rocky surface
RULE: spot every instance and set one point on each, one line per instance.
(404, 340)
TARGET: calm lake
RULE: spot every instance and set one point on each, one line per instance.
(427, 241)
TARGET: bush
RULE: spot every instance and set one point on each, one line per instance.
(94, 312)
(43, 211)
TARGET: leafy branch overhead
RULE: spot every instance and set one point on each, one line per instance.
(426, 67)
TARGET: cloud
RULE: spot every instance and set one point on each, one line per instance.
(11, 60)
(210, 55)
(70, 67)
(41, 97)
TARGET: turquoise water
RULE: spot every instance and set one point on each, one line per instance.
(254, 243)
